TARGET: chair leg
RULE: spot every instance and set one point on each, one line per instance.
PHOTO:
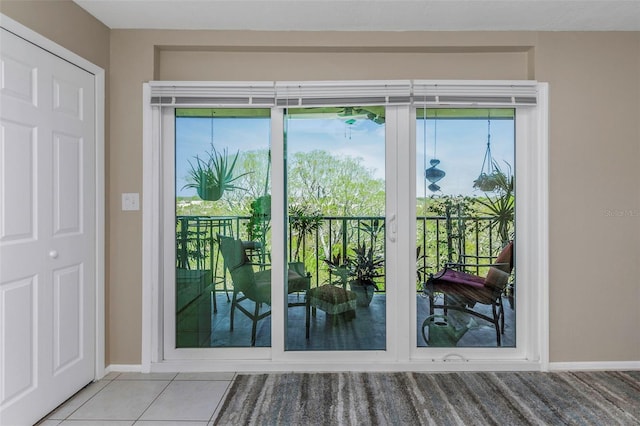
(224, 275)
(233, 308)
(254, 327)
(307, 311)
(431, 298)
(496, 323)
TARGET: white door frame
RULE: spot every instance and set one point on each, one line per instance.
(57, 50)
(534, 226)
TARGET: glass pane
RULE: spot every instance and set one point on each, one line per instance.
(465, 227)
(336, 236)
(223, 213)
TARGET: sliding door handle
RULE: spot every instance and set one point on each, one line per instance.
(392, 224)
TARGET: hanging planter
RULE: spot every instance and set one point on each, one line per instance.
(211, 177)
(213, 193)
(486, 182)
(489, 177)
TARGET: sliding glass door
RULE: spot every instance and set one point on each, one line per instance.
(336, 198)
(335, 227)
(222, 205)
(465, 227)
(349, 229)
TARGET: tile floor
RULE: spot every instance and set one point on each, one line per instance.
(192, 399)
(124, 399)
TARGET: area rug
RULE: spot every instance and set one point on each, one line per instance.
(502, 398)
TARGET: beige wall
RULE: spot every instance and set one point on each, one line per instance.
(594, 151)
(594, 148)
(594, 177)
(65, 23)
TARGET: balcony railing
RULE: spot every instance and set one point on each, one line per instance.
(439, 239)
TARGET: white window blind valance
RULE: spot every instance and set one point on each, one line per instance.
(340, 93)
(213, 94)
(477, 93)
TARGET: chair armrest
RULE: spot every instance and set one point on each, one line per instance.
(456, 265)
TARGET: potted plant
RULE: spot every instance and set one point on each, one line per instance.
(363, 269)
(340, 269)
(212, 176)
(486, 182)
(259, 224)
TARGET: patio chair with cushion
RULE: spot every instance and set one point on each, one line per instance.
(255, 286)
(463, 291)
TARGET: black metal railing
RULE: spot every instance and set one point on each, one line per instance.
(439, 239)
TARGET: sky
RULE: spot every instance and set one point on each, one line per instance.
(460, 145)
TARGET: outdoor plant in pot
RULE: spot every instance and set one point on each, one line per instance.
(334, 298)
(340, 270)
(260, 218)
(363, 269)
(213, 175)
(486, 182)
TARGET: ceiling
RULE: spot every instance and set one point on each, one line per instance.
(369, 15)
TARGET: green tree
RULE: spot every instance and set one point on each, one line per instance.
(337, 186)
(254, 164)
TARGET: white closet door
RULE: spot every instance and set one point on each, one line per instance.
(47, 230)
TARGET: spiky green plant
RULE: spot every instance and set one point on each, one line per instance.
(339, 267)
(212, 176)
(502, 206)
(366, 265)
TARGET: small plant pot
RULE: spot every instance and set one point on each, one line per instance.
(364, 293)
(211, 193)
(485, 182)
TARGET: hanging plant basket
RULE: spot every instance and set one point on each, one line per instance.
(486, 182)
(211, 177)
(212, 193)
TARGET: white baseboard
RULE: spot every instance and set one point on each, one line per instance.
(123, 368)
(594, 365)
(553, 366)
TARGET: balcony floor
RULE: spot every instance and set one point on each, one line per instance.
(198, 327)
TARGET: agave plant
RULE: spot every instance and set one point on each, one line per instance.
(212, 176)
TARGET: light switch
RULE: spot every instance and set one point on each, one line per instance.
(130, 201)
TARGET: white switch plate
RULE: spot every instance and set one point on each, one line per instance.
(130, 201)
